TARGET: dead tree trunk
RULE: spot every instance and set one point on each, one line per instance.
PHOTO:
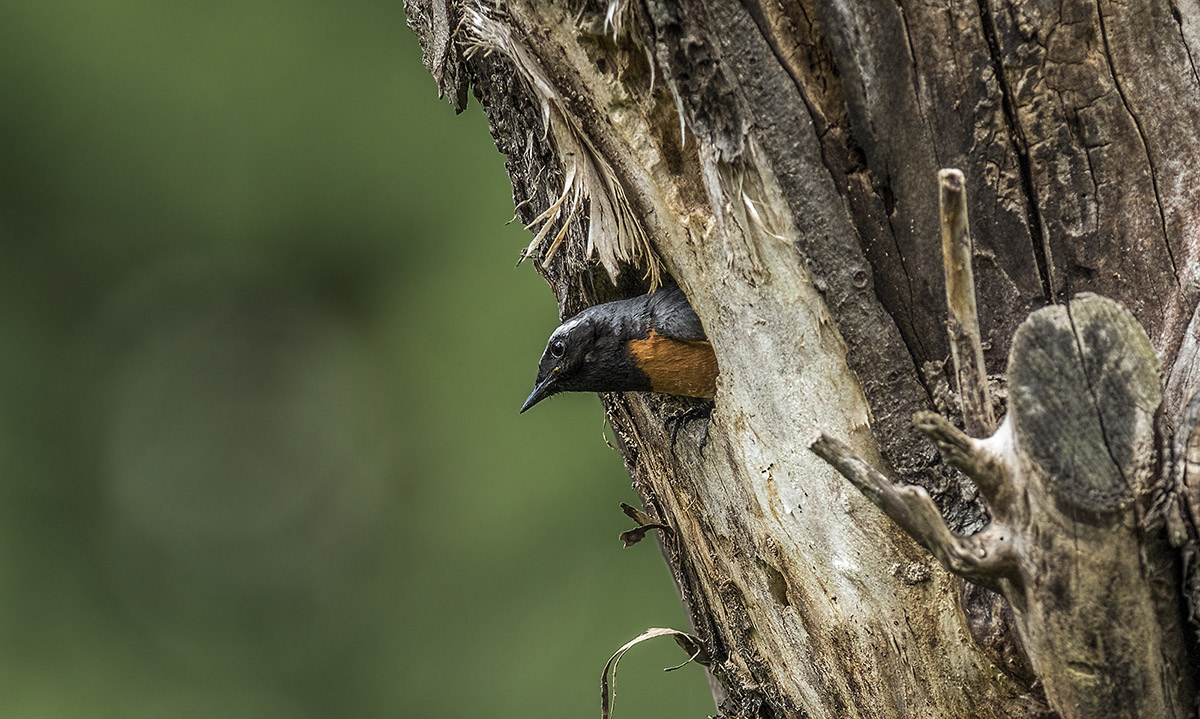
(779, 161)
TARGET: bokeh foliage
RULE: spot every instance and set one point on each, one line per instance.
(261, 352)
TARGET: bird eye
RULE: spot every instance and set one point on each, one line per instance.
(557, 349)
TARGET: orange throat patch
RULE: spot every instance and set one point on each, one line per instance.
(677, 366)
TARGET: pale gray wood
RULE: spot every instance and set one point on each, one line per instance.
(778, 160)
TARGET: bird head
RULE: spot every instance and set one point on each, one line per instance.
(587, 353)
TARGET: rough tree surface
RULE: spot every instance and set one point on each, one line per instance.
(779, 161)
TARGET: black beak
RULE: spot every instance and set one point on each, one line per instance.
(544, 389)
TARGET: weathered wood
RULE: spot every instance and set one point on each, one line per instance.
(966, 346)
(1084, 389)
(1103, 96)
(1183, 506)
(984, 558)
(779, 161)
(971, 457)
(1071, 556)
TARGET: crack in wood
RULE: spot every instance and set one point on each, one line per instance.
(1041, 243)
(1091, 388)
(1137, 122)
(1178, 17)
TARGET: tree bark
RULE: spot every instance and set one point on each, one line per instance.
(779, 161)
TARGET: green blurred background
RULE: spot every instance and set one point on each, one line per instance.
(261, 353)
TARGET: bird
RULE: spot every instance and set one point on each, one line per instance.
(650, 343)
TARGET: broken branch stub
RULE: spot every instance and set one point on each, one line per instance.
(972, 457)
(1067, 475)
(983, 558)
(966, 345)
(1083, 391)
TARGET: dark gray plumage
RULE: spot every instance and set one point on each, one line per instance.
(653, 342)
